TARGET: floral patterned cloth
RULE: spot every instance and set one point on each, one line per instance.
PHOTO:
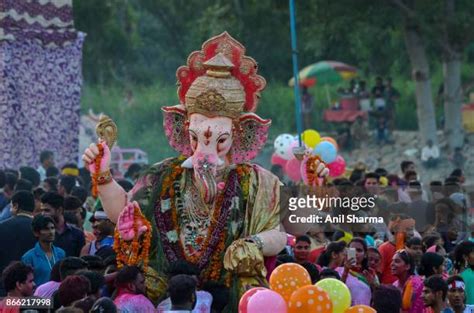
(40, 92)
(47, 21)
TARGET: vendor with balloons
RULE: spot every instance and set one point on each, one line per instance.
(316, 149)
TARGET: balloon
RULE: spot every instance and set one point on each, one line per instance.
(338, 167)
(287, 278)
(292, 169)
(331, 140)
(292, 145)
(360, 309)
(266, 301)
(278, 160)
(243, 303)
(311, 138)
(326, 151)
(310, 299)
(281, 144)
(338, 292)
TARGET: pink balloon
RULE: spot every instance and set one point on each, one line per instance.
(266, 301)
(292, 169)
(338, 167)
(244, 301)
(278, 160)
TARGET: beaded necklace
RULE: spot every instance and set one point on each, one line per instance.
(170, 203)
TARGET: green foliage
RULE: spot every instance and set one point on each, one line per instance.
(134, 47)
(140, 119)
(142, 42)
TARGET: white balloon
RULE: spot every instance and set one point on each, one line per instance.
(282, 141)
(281, 145)
(284, 154)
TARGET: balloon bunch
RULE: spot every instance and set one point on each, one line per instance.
(317, 149)
(292, 292)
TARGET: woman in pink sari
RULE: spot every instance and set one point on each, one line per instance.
(410, 285)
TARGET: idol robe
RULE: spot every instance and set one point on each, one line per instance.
(247, 205)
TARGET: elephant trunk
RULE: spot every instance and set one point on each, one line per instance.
(205, 171)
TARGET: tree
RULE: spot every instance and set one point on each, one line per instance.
(455, 36)
(420, 69)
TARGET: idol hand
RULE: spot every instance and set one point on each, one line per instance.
(90, 155)
(321, 169)
(126, 221)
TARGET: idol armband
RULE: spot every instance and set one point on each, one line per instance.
(104, 177)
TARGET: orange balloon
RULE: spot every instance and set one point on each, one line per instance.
(360, 309)
(331, 140)
(287, 278)
(310, 299)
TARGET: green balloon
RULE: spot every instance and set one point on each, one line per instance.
(338, 293)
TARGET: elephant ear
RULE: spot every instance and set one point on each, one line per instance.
(250, 137)
(174, 123)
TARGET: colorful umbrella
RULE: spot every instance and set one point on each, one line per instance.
(325, 73)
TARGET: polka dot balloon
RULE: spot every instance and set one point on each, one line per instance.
(360, 309)
(309, 299)
(338, 293)
(287, 278)
(281, 145)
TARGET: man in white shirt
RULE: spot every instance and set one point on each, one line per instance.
(430, 155)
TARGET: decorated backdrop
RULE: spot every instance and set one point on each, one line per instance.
(40, 81)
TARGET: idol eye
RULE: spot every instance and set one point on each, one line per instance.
(194, 137)
(222, 140)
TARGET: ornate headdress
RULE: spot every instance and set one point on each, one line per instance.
(219, 80)
(221, 55)
(216, 93)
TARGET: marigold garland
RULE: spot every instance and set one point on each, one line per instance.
(311, 170)
(128, 253)
(214, 266)
(168, 188)
(95, 176)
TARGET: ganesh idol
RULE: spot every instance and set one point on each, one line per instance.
(209, 206)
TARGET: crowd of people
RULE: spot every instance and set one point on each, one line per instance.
(59, 245)
(420, 260)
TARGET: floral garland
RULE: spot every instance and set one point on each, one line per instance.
(128, 253)
(166, 216)
(311, 171)
(95, 176)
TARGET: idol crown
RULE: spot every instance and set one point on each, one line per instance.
(216, 93)
(220, 80)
